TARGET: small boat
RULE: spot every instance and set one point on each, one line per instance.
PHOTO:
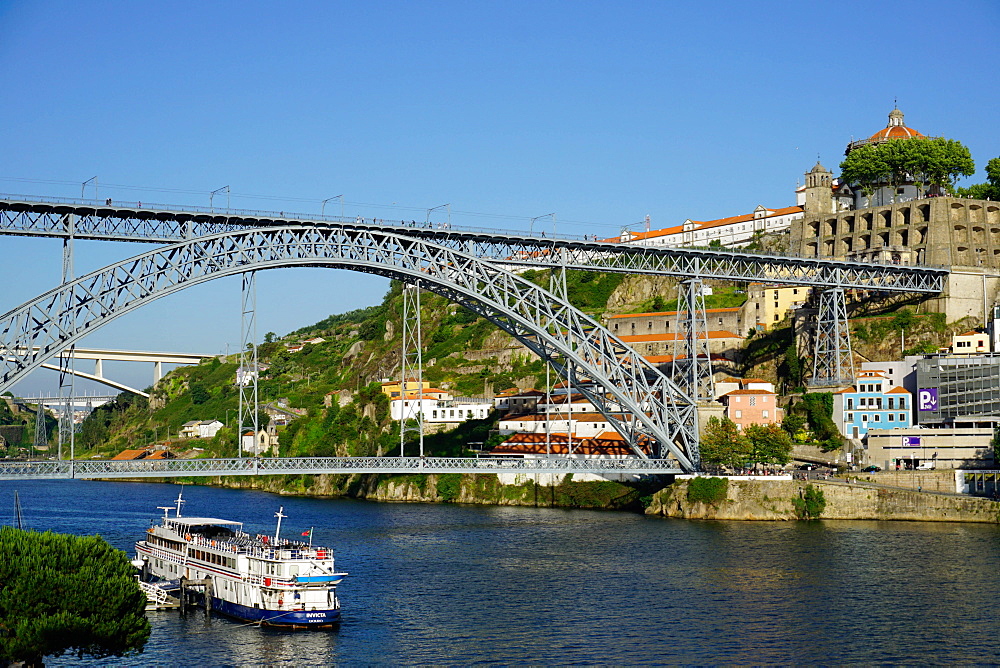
(263, 579)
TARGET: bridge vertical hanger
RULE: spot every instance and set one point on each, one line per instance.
(41, 434)
(557, 286)
(412, 363)
(833, 363)
(246, 377)
(67, 364)
(692, 363)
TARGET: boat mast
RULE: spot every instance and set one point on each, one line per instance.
(17, 510)
(180, 500)
(279, 515)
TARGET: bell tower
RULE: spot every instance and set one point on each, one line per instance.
(819, 190)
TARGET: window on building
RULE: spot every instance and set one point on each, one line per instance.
(850, 417)
(753, 401)
(902, 417)
(776, 317)
(739, 414)
(891, 417)
(891, 403)
(764, 413)
(649, 325)
(902, 402)
(850, 404)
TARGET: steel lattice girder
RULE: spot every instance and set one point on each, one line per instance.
(144, 468)
(111, 223)
(660, 414)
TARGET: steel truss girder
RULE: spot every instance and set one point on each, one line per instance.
(833, 362)
(661, 417)
(108, 469)
(110, 223)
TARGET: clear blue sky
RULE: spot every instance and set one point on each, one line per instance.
(600, 112)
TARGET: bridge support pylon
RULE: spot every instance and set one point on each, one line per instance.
(833, 361)
(412, 362)
(692, 362)
(246, 377)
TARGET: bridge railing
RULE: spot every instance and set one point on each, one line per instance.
(439, 227)
(289, 216)
(143, 468)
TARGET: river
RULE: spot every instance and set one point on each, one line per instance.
(456, 585)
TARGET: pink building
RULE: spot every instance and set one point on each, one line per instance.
(746, 407)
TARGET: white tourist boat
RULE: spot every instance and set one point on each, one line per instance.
(263, 579)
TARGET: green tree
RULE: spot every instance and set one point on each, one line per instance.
(793, 365)
(988, 190)
(270, 337)
(62, 594)
(199, 395)
(769, 444)
(924, 160)
(794, 425)
(723, 444)
(809, 505)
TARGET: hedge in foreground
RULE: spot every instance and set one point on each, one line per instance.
(62, 593)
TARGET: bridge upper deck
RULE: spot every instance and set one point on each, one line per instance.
(128, 221)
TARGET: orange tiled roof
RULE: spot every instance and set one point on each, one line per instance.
(784, 211)
(160, 454)
(748, 392)
(898, 390)
(130, 454)
(894, 132)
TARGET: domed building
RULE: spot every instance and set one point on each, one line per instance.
(895, 130)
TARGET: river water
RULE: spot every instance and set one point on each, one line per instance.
(456, 585)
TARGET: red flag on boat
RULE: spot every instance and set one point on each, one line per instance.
(306, 533)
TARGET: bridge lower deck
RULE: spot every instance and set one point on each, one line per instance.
(257, 466)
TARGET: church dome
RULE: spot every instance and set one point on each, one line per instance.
(819, 168)
(896, 129)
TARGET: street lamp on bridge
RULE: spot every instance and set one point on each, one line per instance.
(212, 194)
(439, 206)
(531, 226)
(84, 186)
(322, 209)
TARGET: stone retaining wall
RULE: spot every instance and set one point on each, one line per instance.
(772, 500)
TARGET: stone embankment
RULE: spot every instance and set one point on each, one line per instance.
(772, 500)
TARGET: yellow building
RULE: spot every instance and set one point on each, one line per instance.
(767, 305)
(391, 388)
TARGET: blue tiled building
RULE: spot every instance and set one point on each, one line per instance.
(871, 404)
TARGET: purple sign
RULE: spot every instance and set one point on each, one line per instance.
(911, 441)
(927, 399)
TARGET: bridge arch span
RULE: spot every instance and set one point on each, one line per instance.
(646, 407)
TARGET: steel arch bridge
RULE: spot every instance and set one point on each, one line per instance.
(65, 218)
(654, 415)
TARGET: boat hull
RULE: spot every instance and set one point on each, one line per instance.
(278, 618)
